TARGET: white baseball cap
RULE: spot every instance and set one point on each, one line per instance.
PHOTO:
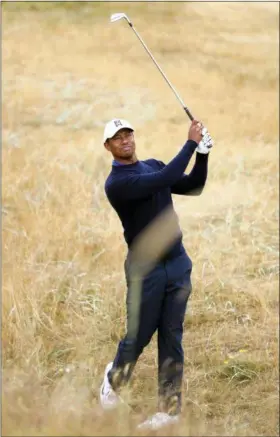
(113, 126)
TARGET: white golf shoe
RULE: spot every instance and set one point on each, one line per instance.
(108, 397)
(158, 420)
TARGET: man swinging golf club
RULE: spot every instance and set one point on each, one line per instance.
(140, 191)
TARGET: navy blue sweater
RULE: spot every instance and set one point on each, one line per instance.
(139, 192)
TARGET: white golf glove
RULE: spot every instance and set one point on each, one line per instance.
(206, 143)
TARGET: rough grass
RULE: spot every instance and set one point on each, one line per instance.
(66, 71)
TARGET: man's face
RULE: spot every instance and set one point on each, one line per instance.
(122, 145)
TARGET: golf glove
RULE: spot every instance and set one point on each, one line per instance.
(206, 143)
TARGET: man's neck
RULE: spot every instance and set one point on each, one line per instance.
(132, 160)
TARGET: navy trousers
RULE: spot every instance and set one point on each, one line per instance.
(164, 294)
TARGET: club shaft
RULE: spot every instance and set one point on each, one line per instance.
(162, 72)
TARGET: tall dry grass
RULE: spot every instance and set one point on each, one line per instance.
(66, 71)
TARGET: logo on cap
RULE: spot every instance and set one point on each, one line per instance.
(117, 123)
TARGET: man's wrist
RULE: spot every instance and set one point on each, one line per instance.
(192, 143)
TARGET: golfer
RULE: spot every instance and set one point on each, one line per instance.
(139, 191)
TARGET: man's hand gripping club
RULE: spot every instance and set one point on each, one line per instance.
(201, 136)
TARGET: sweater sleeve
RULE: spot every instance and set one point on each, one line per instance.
(193, 183)
(135, 186)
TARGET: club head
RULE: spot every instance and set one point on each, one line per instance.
(119, 16)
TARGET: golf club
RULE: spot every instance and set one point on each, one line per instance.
(119, 16)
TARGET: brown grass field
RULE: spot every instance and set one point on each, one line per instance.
(66, 71)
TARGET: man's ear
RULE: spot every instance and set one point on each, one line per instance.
(107, 145)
